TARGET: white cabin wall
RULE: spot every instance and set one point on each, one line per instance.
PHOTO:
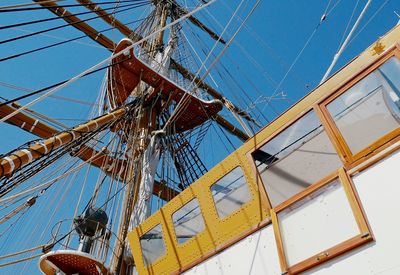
(256, 254)
(379, 191)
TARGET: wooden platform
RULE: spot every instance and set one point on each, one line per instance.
(127, 73)
(71, 262)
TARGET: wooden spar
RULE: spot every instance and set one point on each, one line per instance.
(109, 44)
(111, 20)
(108, 18)
(27, 122)
(18, 159)
(86, 153)
(199, 24)
(77, 23)
(40, 129)
(230, 128)
(208, 89)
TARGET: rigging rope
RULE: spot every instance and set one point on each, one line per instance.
(62, 42)
(185, 99)
(52, 86)
(323, 18)
(57, 18)
(30, 4)
(66, 25)
(95, 67)
(27, 90)
(369, 20)
(15, 9)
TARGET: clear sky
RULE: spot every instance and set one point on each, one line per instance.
(260, 63)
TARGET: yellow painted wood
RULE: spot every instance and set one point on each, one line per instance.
(219, 233)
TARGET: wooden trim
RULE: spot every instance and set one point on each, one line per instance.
(375, 147)
(221, 248)
(366, 162)
(364, 236)
(330, 253)
(390, 52)
(264, 198)
(279, 242)
(253, 211)
(337, 141)
(354, 201)
(282, 128)
(330, 125)
(312, 188)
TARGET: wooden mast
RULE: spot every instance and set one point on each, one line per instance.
(109, 44)
(146, 125)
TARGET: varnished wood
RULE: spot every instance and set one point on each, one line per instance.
(77, 23)
(331, 253)
(279, 242)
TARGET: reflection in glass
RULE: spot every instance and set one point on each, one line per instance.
(371, 108)
(152, 245)
(297, 157)
(188, 221)
(230, 192)
(316, 223)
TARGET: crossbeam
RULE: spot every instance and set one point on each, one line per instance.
(110, 45)
(102, 160)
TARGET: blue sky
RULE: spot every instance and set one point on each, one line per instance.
(253, 67)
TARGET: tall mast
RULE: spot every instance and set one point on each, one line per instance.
(138, 194)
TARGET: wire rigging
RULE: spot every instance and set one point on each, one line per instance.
(62, 42)
(56, 85)
(15, 9)
(58, 17)
(127, 8)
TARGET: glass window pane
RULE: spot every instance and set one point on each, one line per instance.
(371, 108)
(297, 157)
(230, 192)
(188, 221)
(152, 245)
(318, 222)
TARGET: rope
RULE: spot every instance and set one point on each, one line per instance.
(61, 43)
(366, 24)
(55, 18)
(63, 26)
(184, 100)
(21, 252)
(15, 8)
(29, 4)
(48, 88)
(22, 260)
(90, 70)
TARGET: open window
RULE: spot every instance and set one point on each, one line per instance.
(294, 159)
(368, 114)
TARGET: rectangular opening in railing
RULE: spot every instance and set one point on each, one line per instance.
(152, 244)
(230, 192)
(188, 221)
